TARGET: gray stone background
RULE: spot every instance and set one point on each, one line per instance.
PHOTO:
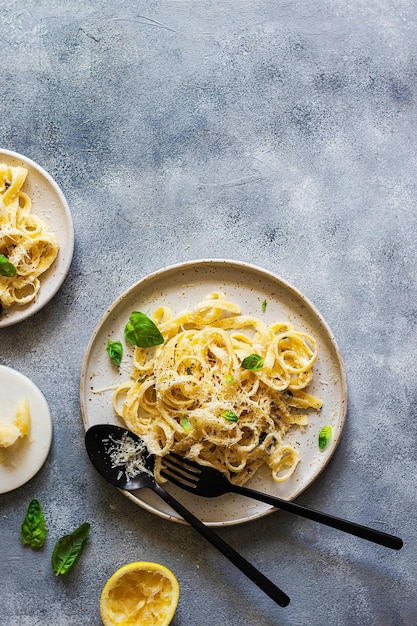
(273, 132)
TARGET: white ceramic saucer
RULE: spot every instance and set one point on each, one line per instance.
(21, 461)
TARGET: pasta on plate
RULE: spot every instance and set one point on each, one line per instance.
(223, 389)
(27, 249)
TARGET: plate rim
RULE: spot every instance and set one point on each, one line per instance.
(204, 262)
(21, 314)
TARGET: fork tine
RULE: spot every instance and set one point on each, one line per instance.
(183, 483)
(184, 467)
(178, 470)
(184, 461)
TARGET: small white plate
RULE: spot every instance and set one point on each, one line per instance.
(21, 461)
(182, 287)
(49, 203)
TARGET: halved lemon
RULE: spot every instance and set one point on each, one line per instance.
(140, 594)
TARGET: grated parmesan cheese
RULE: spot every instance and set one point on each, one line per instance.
(129, 455)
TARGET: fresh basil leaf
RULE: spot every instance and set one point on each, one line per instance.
(230, 416)
(6, 268)
(142, 332)
(115, 351)
(68, 549)
(264, 304)
(185, 423)
(324, 436)
(253, 362)
(33, 529)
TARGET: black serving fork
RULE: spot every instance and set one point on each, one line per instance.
(209, 483)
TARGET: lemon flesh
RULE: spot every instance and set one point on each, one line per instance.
(140, 593)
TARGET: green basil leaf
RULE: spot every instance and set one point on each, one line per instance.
(68, 549)
(230, 416)
(185, 423)
(6, 268)
(253, 362)
(142, 332)
(115, 351)
(264, 303)
(33, 529)
(324, 436)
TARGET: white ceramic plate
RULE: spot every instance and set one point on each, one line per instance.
(21, 461)
(49, 203)
(182, 287)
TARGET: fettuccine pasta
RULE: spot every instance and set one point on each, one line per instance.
(191, 395)
(24, 240)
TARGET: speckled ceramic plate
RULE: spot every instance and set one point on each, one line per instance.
(181, 287)
(49, 203)
(21, 461)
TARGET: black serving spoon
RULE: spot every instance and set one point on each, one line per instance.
(102, 442)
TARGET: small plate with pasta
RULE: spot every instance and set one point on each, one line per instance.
(227, 364)
(36, 238)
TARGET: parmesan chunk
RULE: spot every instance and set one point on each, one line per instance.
(22, 418)
(10, 433)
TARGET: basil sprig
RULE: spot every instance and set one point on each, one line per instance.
(324, 436)
(33, 530)
(253, 362)
(230, 416)
(6, 268)
(68, 549)
(115, 351)
(185, 423)
(141, 331)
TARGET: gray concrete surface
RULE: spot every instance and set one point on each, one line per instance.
(277, 133)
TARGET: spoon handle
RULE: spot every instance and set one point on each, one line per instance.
(241, 563)
(377, 536)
